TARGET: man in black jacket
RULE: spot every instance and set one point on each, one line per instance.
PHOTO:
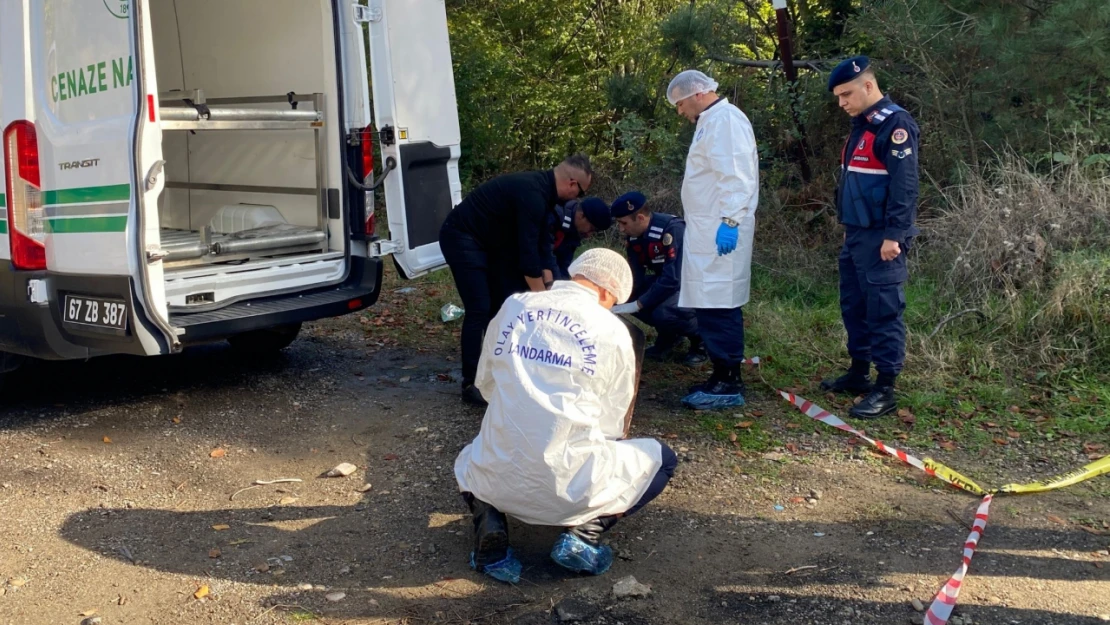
(497, 243)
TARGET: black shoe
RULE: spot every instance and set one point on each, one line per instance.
(491, 533)
(851, 382)
(663, 349)
(697, 356)
(879, 402)
(659, 354)
(724, 387)
(471, 395)
(716, 377)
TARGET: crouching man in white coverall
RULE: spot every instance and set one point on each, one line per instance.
(559, 371)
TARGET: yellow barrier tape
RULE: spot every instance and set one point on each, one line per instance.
(953, 477)
(1094, 469)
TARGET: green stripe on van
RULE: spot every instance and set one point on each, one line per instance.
(3, 202)
(3, 227)
(86, 195)
(87, 225)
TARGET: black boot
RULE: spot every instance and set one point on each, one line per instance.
(662, 350)
(471, 395)
(856, 381)
(880, 401)
(697, 355)
(719, 374)
(730, 383)
(491, 532)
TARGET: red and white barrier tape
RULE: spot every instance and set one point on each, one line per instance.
(941, 609)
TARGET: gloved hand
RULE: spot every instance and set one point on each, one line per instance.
(727, 237)
(629, 308)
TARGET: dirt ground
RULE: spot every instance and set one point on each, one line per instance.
(112, 501)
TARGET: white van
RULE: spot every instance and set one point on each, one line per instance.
(184, 171)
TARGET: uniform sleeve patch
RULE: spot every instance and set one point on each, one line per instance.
(668, 239)
(900, 136)
(901, 153)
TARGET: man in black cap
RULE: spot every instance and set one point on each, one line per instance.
(497, 243)
(876, 200)
(655, 245)
(570, 224)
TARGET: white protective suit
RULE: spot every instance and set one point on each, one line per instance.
(722, 180)
(559, 373)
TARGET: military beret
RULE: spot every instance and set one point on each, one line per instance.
(596, 212)
(627, 204)
(848, 70)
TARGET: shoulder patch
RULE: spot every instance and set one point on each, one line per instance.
(668, 239)
(900, 136)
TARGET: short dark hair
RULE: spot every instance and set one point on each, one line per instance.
(581, 162)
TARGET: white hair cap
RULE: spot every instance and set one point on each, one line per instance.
(607, 269)
(688, 83)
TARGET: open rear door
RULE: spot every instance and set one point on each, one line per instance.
(418, 123)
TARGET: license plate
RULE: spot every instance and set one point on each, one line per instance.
(94, 312)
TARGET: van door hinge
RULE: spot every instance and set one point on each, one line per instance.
(386, 135)
(153, 256)
(365, 14)
(385, 248)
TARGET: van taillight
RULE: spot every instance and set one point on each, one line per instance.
(26, 217)
(367, 151)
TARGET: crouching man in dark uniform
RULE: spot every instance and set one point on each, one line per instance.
(655, 246)
(570, 224)
(876, 201)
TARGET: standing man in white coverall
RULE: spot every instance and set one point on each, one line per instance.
(560, 372)
(720, 191)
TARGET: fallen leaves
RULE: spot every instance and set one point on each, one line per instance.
(906, 416)
(221, 527)
(949, 445)
(395, 456)
(1001, 441)
(214, 553)
(732, 437)
(743, 425)
(285, 501)
(1013, 434)
(1056, 519)
(201, 592)
(107, 441)
(218, 452)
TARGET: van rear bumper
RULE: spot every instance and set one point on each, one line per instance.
(29, 329)
(36, 331)
(359, 291)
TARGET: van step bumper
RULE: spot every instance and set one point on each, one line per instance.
(264, 313)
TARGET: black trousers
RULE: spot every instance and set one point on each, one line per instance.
(484, 282)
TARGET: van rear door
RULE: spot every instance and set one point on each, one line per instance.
(417, 119)
(87, 104)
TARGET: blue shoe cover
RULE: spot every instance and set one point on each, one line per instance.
(701, 400)
(507, 570)
(575, 554)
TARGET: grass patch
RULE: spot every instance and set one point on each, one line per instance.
(961, 386)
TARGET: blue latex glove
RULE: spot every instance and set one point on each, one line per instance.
(726, 239)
